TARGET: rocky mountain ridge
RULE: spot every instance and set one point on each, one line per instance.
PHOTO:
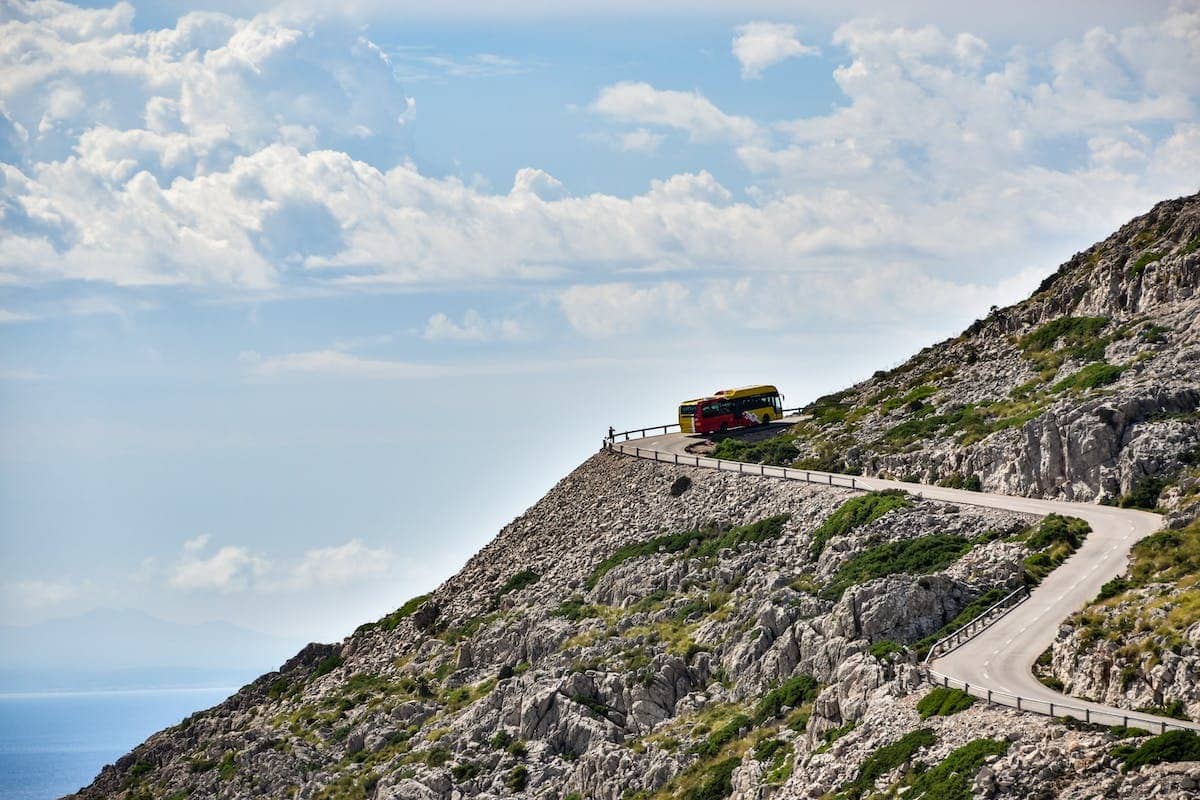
(657, 631)
(1081, 392)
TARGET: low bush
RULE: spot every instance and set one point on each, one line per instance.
(722, 736)
(957, 480)
(517, 778)
(884, 649)
(1144, 494)
(944, 702)
(886, 759)
(1092, 376)
(954, 776)
(1143, 261)
(919, 556)
(1112, 588)
(1055, 528)
(779, 451)
(392, 620)
(1073, 331)
(327, 665)
(793, 692)
(1169, 747)
(694, 543)
(716, 781)
(522, 579)
(855, 513)
(575, 609)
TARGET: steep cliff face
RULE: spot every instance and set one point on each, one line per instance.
(1082, 392)
(658, 631)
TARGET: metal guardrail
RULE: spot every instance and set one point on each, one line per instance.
(944, 645)
(616, 442)
(1053, 708)
(966, 633)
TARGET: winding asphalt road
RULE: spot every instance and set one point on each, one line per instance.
(999, 660)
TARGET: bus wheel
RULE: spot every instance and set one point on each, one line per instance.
(724, 427)
(766, 418)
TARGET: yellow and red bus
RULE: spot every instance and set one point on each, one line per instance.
(731, 408)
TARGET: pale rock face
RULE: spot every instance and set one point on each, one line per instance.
(610, 686)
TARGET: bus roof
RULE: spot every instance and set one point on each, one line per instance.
(747, 391)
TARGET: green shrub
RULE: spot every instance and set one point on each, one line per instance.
(228, 767)
(1055, 528)
(1112, 588)
(575, 609)
(956, 480)
(517, 749)
(1143, 261)
(830, 409)
(793, 692)
(1055, 539)
(722, 736)
(1090, 377)
(694, 543)
(952, 779)
(517, 778)
(1072, 330)
(855, 513)
(885, 648)
(516, 583)
(392, 620)
(919, 556)
(767, 748)
(716, 781)
(944, 702)
(327, 665)
(1144, 494)
(680, 485)
(501, 740)
(776, 451)
(1169, 747)
(886, 759)
(465, 771)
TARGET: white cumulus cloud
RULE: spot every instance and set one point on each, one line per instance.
(759, 45)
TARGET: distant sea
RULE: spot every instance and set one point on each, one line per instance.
(53, 743)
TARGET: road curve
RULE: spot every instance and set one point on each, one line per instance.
(998, 662)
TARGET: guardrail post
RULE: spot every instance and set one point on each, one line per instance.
(945, 681)
(1052, 709)
(762, 469)
(676, 457)
(697, 461)
(852, 483)
(989, 697)
(1164, 727)
(740, 468)
(637, 451)
(1125, 722)
(1087, 715)
(1018, 701)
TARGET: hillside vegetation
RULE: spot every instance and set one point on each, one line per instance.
(651, 631)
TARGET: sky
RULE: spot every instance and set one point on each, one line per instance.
(301, 302)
